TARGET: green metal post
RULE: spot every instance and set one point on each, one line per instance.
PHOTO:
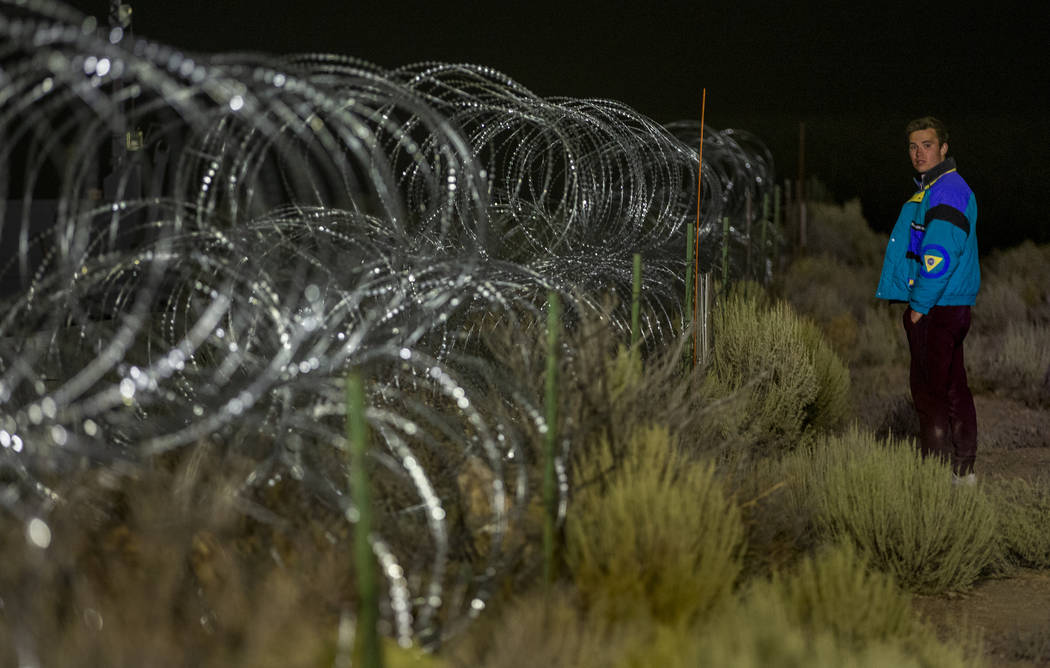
(765, 226)
(777, 226)
(687, 312)
(747, 232)
(367, 649)
(725, 254)
(550, 483)
(636, 299)
(776, 206)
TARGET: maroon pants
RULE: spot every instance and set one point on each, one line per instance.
(947, 418)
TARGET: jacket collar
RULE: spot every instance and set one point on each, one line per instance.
(927, 179)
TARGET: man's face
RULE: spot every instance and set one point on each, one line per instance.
(925, 150)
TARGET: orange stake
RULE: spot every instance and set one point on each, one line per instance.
(696, 237)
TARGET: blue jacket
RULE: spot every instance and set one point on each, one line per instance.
(931, 259)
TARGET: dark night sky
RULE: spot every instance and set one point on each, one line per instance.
(853, 75)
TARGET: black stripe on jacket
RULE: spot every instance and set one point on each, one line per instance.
(950, 214)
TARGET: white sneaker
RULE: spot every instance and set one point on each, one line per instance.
(968, 480)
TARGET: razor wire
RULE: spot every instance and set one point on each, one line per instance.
(198, 248)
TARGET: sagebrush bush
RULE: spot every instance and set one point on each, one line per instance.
(624, 373)
(1025, 269)
(763, 630)
(543, 628)
(841, 299)
(831, 405)
(822, 592)
(880, 338)
(161, 569)
(607, 392)
(902, 511)
(777, 516)
(1025, 357)
(823, 287)
(1015, 362)
(650, 529)
(793, 385)
(841, 232)
(760, 633)
(998, 305)
(1023, 511)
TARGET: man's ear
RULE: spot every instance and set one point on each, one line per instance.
(944, 149)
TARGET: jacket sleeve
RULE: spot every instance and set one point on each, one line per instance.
(946, 231)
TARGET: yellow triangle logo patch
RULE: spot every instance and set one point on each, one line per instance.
(932, 261)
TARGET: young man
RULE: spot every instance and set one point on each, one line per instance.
(931, 263)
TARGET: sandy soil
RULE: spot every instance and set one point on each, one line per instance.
(1011, 617)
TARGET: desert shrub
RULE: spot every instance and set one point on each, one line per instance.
(881, 338)
(998, 305)
(1025, 269)
(842, 332)
(607, 391)
(160, 568)
(552, 629)
(760, 633)
(763, 630)
(1023, 510)
(542, 628)
(830, 406)
(751, 291)
(778, 519)
(395, 656)
(823, 287)
(1015, 363)
(889, 410)
(1025, 357)
(648, 528)
(841, 299)
(841, 232)
(792, 384)
(815, 287)
(822, 593)
(902, 511)
(624, 374)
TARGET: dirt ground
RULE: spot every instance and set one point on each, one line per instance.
(1010, 616)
